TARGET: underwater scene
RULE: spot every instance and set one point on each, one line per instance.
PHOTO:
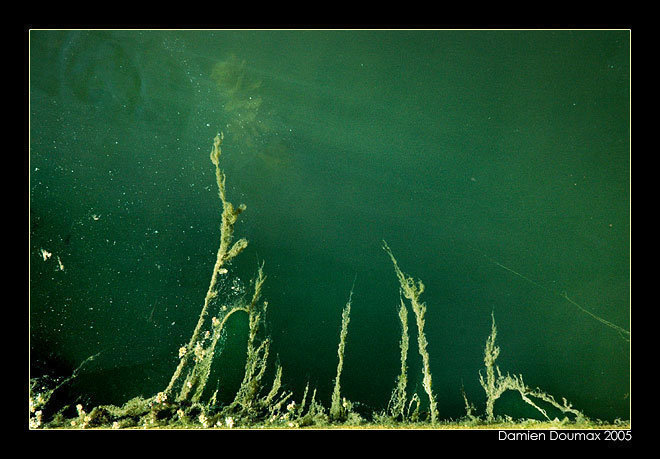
(292, 229)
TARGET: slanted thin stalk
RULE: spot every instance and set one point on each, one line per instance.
(397, 403)
(337, 408)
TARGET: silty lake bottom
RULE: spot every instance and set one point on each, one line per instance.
(492, 166)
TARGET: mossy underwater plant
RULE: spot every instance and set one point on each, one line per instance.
(261, 403)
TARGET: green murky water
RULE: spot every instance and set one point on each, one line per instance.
(496, 164)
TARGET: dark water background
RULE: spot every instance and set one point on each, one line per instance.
(457, 147)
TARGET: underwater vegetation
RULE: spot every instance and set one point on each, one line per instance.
(187, 402)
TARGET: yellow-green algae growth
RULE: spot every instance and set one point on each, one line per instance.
(260, 403)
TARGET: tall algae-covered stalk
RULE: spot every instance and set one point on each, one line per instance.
(181, 398)
(339, 408)
(196, 351)
(196, 358)
(495, 386)
(412, 291)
